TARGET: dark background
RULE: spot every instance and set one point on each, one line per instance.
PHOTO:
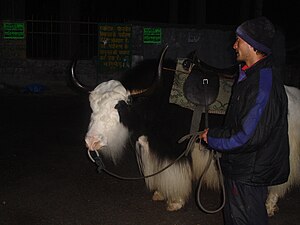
(198, 13)
(189, 12)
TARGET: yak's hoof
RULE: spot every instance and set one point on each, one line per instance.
(157, 196)
(175, 205)
(272, 210)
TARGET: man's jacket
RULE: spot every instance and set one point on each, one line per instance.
(254, 139)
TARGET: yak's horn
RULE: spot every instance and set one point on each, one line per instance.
(75, 80)
(157, 81)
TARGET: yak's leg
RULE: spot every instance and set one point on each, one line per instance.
(271, 204)
(147, 167)
(173, 184)
(157, 196)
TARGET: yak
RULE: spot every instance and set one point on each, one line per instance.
(136, 108)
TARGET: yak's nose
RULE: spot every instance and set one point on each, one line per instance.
(92, 143)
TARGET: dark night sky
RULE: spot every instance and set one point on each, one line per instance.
(218, 11)
(283, 13)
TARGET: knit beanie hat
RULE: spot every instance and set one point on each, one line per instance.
(258, 33)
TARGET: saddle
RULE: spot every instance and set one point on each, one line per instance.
(201, 86)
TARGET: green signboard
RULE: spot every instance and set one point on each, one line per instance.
(152, 35)
(12, 39)
(114, 47)
(13, 30)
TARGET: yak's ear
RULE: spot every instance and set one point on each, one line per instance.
(124, 112)
(120, 105)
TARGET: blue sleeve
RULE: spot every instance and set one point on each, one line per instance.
(251, 119)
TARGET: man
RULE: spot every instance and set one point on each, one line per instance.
(254, 139)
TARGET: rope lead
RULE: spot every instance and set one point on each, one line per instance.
(193, 139)
(213, 155)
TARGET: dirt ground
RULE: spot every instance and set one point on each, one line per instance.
(46, 177)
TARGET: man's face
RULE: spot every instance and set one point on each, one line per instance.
(242, 49)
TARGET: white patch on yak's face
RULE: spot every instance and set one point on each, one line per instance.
(105, 130)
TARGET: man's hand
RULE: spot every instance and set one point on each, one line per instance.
(203, 135)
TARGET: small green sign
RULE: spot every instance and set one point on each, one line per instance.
(13, 30)
(152, 35)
